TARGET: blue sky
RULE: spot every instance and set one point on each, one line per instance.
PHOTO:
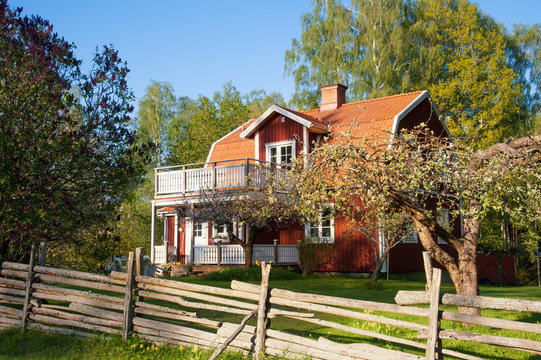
(199, 45)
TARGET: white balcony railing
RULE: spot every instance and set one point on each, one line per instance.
(220, 175)
(234, 254)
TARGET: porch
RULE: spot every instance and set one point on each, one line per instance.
(233, 174)
(230, 254)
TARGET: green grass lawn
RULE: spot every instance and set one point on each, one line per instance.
(32, 345)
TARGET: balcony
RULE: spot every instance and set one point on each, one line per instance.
(233, 174)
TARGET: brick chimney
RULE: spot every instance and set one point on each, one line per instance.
(332, 96)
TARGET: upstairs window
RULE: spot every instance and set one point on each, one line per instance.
(281, 152)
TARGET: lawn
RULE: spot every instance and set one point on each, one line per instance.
(14, 345)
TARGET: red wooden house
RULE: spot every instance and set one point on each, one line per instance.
(277, 136)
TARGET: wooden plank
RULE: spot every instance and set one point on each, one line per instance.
(167, 315)
(193, 305)
(332, 300)
(76, 293)
(14, 292)
(433, 342)
(228, 341)
(330, 310)
(18, 284)
(262, 310)
(142, 304)
(58, 330)
(163, 283)
(11, 311)
(90, 310)
(518, 344)
(63, 322)
(172, 328)
(14, 273)
(128, 305)
(28, 289)
(11, 299)
(366, 351)
(77, 299)
(76, 317)
(388, 338)
(82, 283)
(420, 297)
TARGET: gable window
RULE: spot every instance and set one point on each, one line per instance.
(281, 152)
(443, 219)
(324, 228)
(411, 235)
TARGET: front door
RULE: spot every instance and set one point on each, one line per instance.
(201, 234)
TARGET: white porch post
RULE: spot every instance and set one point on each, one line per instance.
(306, 145)
(152, 232)
(176, 236)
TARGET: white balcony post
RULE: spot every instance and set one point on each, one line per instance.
(152, 232)
(183, 180)
(306, 145)
(155, 181)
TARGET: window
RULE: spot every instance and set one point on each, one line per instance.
(220, 229)
(443, 219)
(198, 229)
(324, 228)
(281, 153)
(411, 235)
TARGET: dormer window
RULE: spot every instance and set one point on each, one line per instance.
(281, 152)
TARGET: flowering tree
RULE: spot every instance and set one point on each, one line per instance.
(422, 175)
(257, 209)
(66, 154)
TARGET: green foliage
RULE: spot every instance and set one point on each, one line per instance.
(252, 274)
(314, 252)
(156, 109)
(67, 156)
(484, 81)
(201, 122)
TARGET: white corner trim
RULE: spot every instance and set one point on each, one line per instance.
(220, 139)
(256, 150)
(274, 108)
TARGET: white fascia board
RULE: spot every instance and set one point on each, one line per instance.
(220, 139)
(274, 108)
(424, 95)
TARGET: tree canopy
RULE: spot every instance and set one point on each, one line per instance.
(66, 152)
(483, 79)
(427, 177)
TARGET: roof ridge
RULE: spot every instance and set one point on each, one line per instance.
(367, 101)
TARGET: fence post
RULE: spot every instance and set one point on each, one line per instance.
(213, 176)
(42, 252)
(276, 241)
(28, 286)
(433, 341)
(427, 260)
(127, 319)
(262, 310)
(139, 263)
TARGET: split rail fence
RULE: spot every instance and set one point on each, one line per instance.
(166, 311)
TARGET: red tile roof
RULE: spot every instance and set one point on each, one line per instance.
(367, 118)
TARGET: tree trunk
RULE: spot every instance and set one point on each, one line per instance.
(249, 248)
(379, 265)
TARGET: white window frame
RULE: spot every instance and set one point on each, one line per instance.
(308, 226)
(215, 231)
(278, 146)
(412, 237)
(442, 217)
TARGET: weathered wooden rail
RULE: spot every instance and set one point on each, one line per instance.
(165, 311)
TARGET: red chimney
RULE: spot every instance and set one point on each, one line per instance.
(332, 96)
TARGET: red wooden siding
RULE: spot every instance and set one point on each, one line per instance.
(276, 131)
(423, 113)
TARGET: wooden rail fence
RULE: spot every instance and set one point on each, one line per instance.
(166, 311)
